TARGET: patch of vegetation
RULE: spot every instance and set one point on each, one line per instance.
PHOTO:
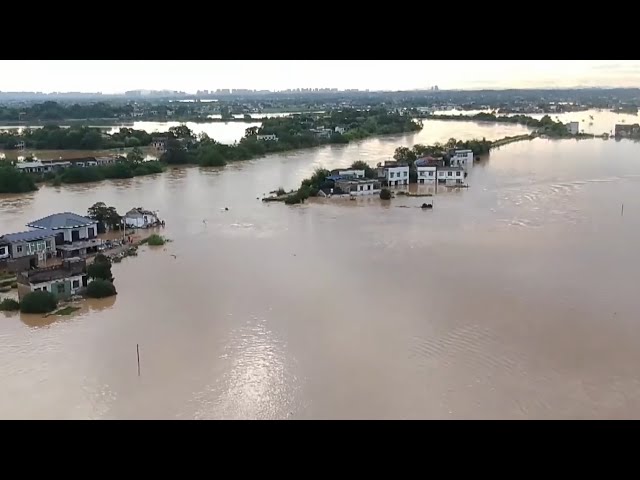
(5, 289)
(38, 302)
(9, 305)
(68, 310)
(156, 240)
(100, 269)
(7, 282)
(14, 181)
(100, 289)
(385, 194)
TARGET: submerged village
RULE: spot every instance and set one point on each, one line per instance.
(65, 256)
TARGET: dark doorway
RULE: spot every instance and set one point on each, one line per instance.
(91, 232)
(75, 235)
(59, 238)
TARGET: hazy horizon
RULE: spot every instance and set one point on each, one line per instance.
(118, 76)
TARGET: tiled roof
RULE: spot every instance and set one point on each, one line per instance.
(61, 220)
(29, 236)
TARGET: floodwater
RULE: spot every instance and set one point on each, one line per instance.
(514, 298)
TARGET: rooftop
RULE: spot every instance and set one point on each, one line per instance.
(61, 220)
(140, 211)
(35, 164)
(71, 267)
(29, 236)
(467, 150)
(453, 169)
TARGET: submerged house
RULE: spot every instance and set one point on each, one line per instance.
(141, 218)
(22, 247)
(359, 186)
(62, 280)
(461, 158)
(75, 235)
(394, 173)
(451, 175)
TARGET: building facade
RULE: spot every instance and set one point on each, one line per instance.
(573, 127)
(75, 235)
(61, 280)
(451, 175)
(394, 174)
(272, 137)
(426, 173)
(357, 187)
(141, 218)
(462, 158)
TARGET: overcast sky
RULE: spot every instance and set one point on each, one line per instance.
(114, 76)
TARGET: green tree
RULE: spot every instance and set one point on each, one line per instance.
(38, 302)
(368, 171)
(100, 268)
(404, 155)
(14, 181)
(385, 194)
(135, 155)
(100, 288)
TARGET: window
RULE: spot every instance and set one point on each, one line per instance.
(457, 174)
(449, 174)
(37, 289)
(391, 174)
(431, 174)
(3, 250)
(404, 174)
(76, 284)
(44, 289)
(19, 249)
(368, 187)
(60, 287)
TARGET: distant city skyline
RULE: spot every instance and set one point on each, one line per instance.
(118, 76)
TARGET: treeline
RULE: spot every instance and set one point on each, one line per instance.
(545, 122)
(59, 111)
(14, 181)
(118, 170)
(54, 137)
(295, 132)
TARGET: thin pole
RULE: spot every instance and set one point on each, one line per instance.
(622, 211)
(138, 352)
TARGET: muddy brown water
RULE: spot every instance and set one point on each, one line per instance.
(515, 298)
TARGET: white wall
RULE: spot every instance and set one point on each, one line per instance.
(423, 174)
(397, 174)
(464, 160)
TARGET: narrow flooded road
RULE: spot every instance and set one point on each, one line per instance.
(514, 298)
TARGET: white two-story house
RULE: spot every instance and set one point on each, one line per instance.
(395, 174)
(451, 175)
(426, 173)
(462, 158)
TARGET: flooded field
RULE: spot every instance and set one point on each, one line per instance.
(515, 298)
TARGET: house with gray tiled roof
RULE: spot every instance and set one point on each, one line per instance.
(75, 235)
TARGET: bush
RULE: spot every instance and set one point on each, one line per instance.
(281, 191)
(38, 302)
(156, 240)
(14, 181)
(9, 305)
(385, 194)
(100, 268)
(100, 289)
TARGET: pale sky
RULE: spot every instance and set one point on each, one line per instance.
(116, 76)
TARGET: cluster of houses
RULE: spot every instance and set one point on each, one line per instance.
(429, 170)
(62, 236)
(45, 166)
(320, 132)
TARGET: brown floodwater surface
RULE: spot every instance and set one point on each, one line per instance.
(514, 298)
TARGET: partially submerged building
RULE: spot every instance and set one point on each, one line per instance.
(141, 218)
(62, 280)
(75, 235)
(394, 173)
(359, 186)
